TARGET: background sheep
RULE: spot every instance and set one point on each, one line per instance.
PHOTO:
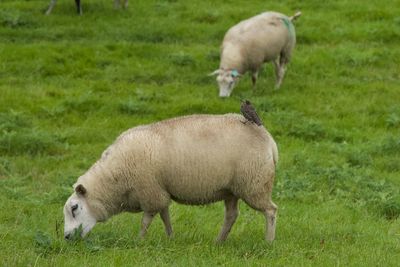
(117, 3)
(269, 36)
(193, 160)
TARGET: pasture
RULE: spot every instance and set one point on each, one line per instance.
(69, 85)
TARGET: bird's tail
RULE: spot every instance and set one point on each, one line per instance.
(295, 16)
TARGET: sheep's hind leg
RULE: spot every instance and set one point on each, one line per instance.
(281, 74)
(231, 213)
(280, 69)
(164, 214)
(146, 221)
(126, 4)
(276, 65)
(51, 6)
(270, 216)
(268, 208)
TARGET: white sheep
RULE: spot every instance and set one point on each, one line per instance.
(195, 160)
(117, 4)
(269, 36)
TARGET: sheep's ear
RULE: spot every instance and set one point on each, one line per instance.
(80, 190)
(216, 72)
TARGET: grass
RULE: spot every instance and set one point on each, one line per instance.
(69, 85)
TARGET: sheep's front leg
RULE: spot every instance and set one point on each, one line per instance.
(146, 221)
(51, 6)
(164, 214)
(231, 213)
(254, 76)
(125, 3)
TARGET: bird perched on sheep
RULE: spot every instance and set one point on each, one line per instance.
(269, 36)
(117, 4)
(194, 160)
(249, 112)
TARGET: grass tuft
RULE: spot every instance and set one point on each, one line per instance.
(359, 158)
(182, 59)
(13, 121)
(135, 107)
(390, 146)
(14, 19)
(390, 207)
(210, 17)
(31, 142)
(393, 121)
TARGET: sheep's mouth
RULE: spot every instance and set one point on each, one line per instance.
(76, 234)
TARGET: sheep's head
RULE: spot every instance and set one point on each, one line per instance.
(227, 80)
(78, 219)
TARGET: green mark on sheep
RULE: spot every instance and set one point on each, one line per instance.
(234, 73)
(288, 25)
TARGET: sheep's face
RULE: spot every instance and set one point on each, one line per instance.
(78, 220)
(227, 80)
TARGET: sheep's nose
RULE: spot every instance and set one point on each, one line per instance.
(67, 236)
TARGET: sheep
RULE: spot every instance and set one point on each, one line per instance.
(269, 36)
(117, 4)
(194, 160)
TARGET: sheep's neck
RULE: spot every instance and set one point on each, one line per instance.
(232, 58)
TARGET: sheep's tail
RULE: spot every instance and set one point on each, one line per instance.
(295, 16)
(275, 155)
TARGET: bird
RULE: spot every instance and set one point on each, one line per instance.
(250, 113)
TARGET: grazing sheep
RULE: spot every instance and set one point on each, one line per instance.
(117, 4)
(194, 160)
(269, 36)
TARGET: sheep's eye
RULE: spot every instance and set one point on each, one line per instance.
(74, 207)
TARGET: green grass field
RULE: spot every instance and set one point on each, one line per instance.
(69, 85)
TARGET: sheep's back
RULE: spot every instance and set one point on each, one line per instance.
(264, 36)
